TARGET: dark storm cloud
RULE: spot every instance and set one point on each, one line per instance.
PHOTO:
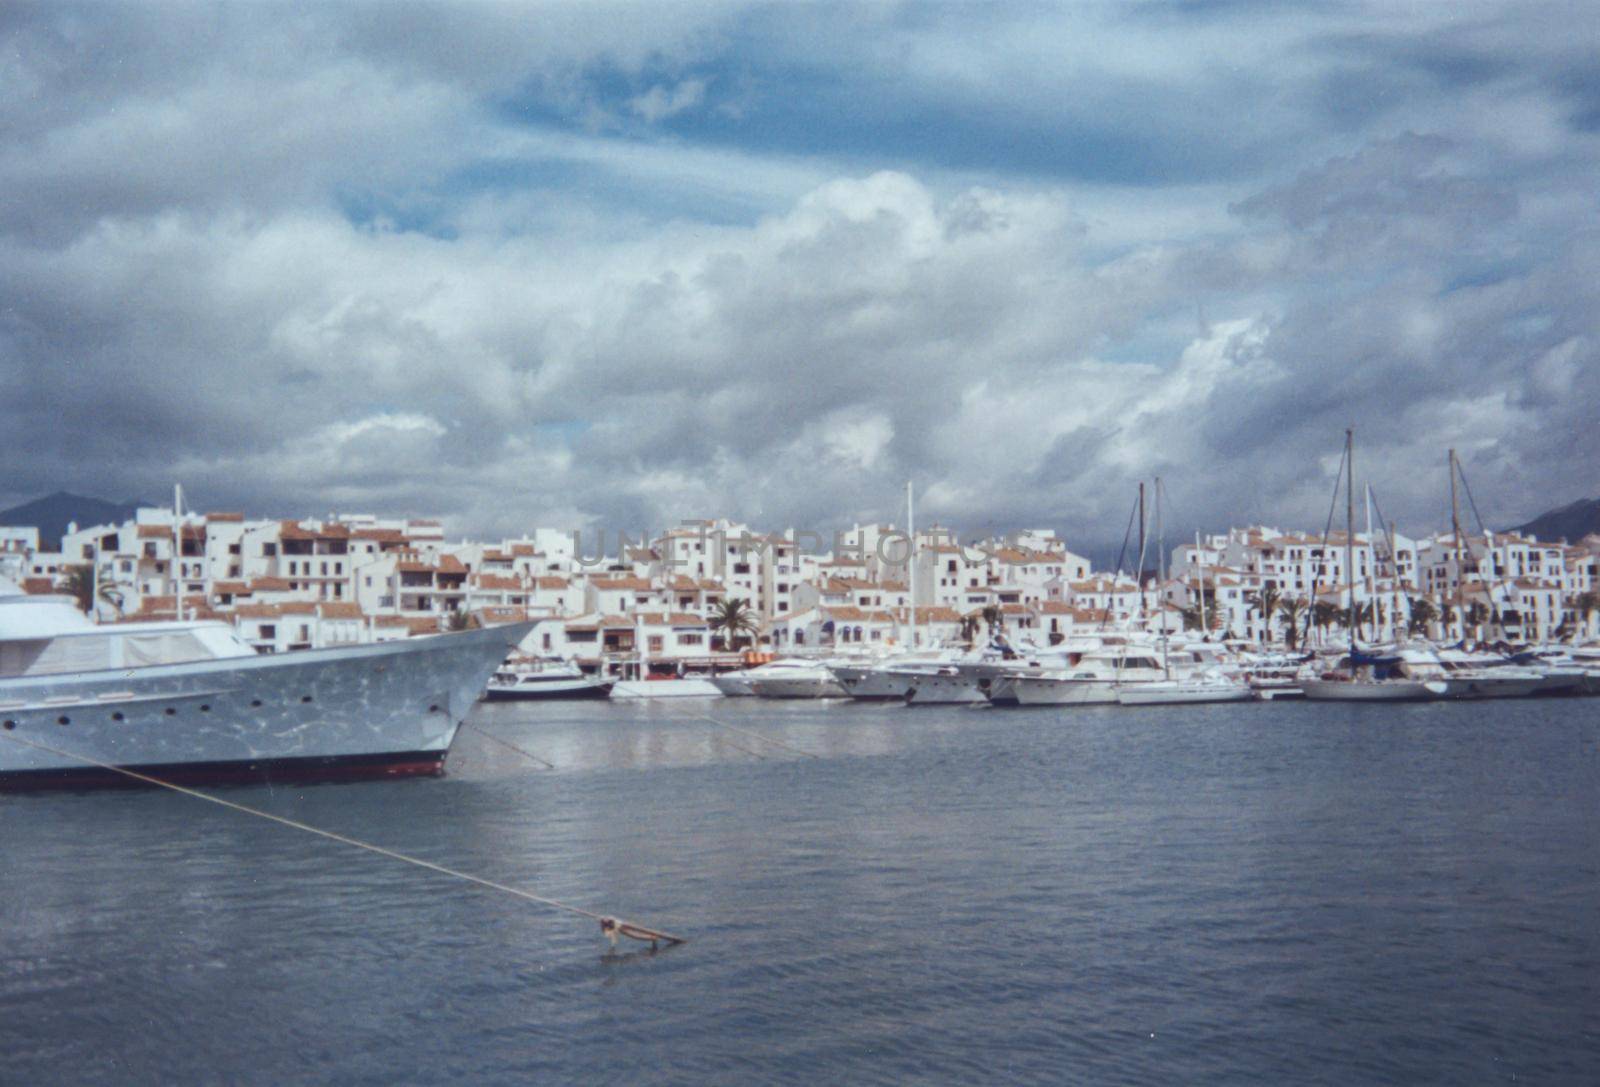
(564, 265)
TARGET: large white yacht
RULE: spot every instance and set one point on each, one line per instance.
(191, 702)
(794, 678)
(1096, 678)
(521, 679)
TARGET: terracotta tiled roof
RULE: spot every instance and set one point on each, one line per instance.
(551, 582)
(337, 609)
(497, 581)
(225, 518)
(155, 532)
(497, 615)
(626, 584)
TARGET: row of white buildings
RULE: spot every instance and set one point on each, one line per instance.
(289, 584)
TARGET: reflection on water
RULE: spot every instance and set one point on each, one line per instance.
(1258, 893)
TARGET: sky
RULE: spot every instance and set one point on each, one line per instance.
(607, 266)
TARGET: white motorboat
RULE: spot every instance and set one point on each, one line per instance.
(1465, 675)
(794, 678)
(192, 702)
(1096, 678)
(1193, 691)
(924, 679)
(663, 687)
(1362, 677)
(521, 680)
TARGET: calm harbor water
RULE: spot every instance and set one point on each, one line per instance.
(1258, 893)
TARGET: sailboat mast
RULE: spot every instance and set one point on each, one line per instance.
(177, 549)
(1350, 532)
(1200, 557)
(1140, 574)
(911, 560)
(1455, 530)
(1161, 579)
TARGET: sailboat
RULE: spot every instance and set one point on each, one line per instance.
(1363, 677)
(1196, 687)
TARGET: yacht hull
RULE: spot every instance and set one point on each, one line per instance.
(1042, 691)
(549, 689)
(954, 690)
(1170, 694)
(798, 687)
(1395, 690)
(384, 710)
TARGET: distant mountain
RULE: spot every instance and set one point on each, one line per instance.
(1570, 523)
(51, 515)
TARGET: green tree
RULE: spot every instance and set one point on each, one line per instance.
(1291, 609)
(1423, 613)
(1266, 602)
(456, 620)
(991, 615)
(733, 619)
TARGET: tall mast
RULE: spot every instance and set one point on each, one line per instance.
(177, 549)
(1350, 532)
(911, 561)
(1455, 530)
(1140, 575)
(1161, 579)
(1372, 563)
(1200, 557)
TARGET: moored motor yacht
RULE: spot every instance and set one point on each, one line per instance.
(525, 679)
(190, 701)
(793, 677)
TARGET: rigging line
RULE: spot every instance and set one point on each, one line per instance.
(1327, 528)
(345, 839)
(756, 736)
(1127, 534)
(1494, 609)
(486, 734)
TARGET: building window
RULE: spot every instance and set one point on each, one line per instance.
(657, 643)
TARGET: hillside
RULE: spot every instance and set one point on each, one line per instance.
(1570, 523)
(51, 515)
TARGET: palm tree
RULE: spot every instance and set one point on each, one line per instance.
(457, 620)
(1586, 605)
(1422, 613)
(79, 584)
(1325, 614)
(991, 615)
(1477, 615)
(733, 618)
(1267, 602)
(1367, 616)
(1191, 617)
(1291, 608)
(969, 628)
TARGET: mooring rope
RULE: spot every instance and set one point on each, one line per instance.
(547, 764)
(608, 924)
(756, 736)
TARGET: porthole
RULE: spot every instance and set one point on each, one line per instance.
(256, 702)
(118, 716)
(305, 698)
(63, 720)
(205, 708)
(433, 709)
(171, 712)
(10, 725)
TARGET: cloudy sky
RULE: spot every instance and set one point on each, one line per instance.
(583, 265)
